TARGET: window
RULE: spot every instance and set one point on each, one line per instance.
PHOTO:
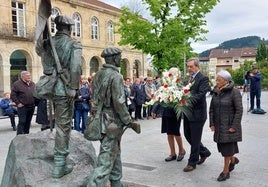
(18, 19)
(94, 28)
(110, 31)
(77, 25)
(54, 13)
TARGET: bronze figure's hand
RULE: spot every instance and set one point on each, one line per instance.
(135, 126)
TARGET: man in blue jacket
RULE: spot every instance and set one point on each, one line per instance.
(255, 88)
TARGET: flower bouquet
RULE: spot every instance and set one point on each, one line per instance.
(173, 93)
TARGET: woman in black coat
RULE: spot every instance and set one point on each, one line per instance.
(225, 114)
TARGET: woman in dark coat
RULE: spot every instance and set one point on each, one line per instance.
(225, 114)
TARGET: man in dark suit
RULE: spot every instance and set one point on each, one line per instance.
(193, 124)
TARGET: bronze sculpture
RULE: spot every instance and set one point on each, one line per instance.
(66, 62)
(108, 91)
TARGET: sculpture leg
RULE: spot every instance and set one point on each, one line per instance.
(60, 167)
(63, 118)
(108, 151)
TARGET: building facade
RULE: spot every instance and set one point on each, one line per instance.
(219, 59)
(94, 27)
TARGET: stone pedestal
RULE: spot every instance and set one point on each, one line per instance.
(30, 161)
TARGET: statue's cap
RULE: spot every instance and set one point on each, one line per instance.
(63, 20)
(110, 51)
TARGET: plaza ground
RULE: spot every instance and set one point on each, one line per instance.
(143, 154)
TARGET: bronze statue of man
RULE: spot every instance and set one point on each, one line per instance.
(108, 91)
(69, 52)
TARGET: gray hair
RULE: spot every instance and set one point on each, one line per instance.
(225, 75)
(24, 73)
(196, 61)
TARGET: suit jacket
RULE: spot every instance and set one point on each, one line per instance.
(198, 91)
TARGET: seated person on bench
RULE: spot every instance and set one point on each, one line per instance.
(9, 109)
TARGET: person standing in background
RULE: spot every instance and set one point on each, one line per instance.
(255, 78)
(81, 105)
(225, 114)
(138, 92)
(22, 94)
(194, 122)
(149, 90)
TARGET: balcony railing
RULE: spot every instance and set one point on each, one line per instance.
(6, 31)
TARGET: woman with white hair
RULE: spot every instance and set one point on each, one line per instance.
(225, 115)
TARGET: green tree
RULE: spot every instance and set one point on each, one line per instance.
(261, 52)
(167, 37)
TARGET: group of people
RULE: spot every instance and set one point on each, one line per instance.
(137, 94)
(225, 115)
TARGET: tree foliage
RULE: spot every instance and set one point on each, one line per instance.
(175, 23)
(261, 52)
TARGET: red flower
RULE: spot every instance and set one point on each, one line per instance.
(178, 80)
(170, 75)
(152, 95)
(165, 85)
(183, 102)
(186, 91)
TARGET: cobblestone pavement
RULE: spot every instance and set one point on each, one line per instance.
(143, 155)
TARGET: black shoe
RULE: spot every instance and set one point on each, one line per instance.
(223, 176)
(232, 165)
(203, 159)
(189, 168)
(170, 158)
(181, 156)
(45, 128)
(14, 128)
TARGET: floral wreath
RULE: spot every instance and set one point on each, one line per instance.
(173, 94)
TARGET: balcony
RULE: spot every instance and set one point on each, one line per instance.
(6, 32)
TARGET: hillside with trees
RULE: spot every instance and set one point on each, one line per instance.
(249, 41)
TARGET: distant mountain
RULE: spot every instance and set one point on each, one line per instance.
(249, 41)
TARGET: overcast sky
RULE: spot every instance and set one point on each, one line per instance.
(230, 19)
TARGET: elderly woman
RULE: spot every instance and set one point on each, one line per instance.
(225, 120)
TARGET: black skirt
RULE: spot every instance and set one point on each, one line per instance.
(171, 125)
(228, 149)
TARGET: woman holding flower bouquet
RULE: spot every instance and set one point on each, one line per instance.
(171, 125)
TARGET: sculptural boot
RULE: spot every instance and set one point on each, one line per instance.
(116, 183)
(60, 167)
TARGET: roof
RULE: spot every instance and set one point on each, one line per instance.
(233, 52)
(101, 4)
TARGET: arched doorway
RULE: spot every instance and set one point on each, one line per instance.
(94, 65)
(18, 63)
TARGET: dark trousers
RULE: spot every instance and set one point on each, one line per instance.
(25, 115)
(12, 119)
(138, 111)
(193, 134)
(253, 94)
(80, 114)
